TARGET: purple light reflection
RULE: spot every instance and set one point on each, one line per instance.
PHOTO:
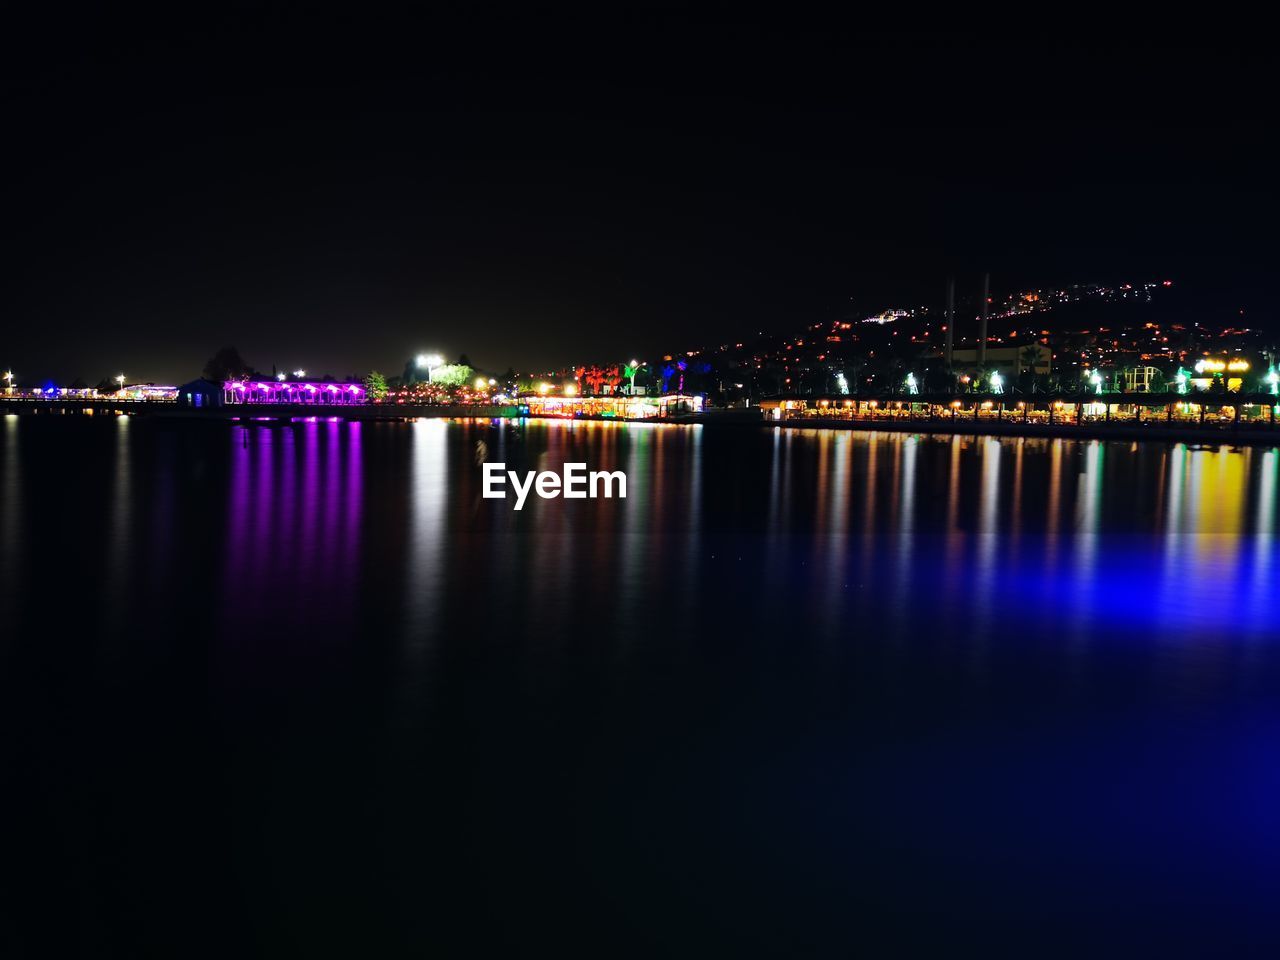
(295, 509)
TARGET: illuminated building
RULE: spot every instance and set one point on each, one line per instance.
(292, 391)
(1209, 368)
(147, 391)
(888, 316)
(614, 406)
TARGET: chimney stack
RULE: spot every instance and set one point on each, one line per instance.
(951, 321)
(982, 327)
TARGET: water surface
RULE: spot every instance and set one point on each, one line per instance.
(301, 689)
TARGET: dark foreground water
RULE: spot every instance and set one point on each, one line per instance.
(300, 691)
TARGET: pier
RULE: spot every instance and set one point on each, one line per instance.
(173, 409)
(1237, 418)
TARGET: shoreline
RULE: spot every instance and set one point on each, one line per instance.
(171, 410)
(1150, 431)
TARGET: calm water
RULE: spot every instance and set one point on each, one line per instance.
(301, 691)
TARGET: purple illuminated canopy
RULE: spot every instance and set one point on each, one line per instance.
(292, 391)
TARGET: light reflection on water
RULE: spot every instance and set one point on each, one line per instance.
(10, 516)
(1074, 536)
(985, 533)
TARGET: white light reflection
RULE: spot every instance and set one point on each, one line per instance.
(428, 532)
(988, 542)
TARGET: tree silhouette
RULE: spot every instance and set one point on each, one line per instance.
(227, 364)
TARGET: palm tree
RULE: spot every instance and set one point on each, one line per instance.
(853, 374)
(1030, 356)
(630, 371)
(613, 377)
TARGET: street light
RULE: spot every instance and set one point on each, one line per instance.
(299, 374)
(120, 380)
(8, 376)
(429, 361)
(632, 369)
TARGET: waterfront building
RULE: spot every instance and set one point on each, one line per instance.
(292, 391)
(1229, 369)
(1152, 410)
(201, 393)
(146, 391)
(621, 407)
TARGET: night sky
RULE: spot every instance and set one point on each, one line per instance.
(325, 196)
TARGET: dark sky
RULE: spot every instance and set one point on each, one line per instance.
(338, 196)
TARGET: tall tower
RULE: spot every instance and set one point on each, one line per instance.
(951, 321)
(982, 326)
